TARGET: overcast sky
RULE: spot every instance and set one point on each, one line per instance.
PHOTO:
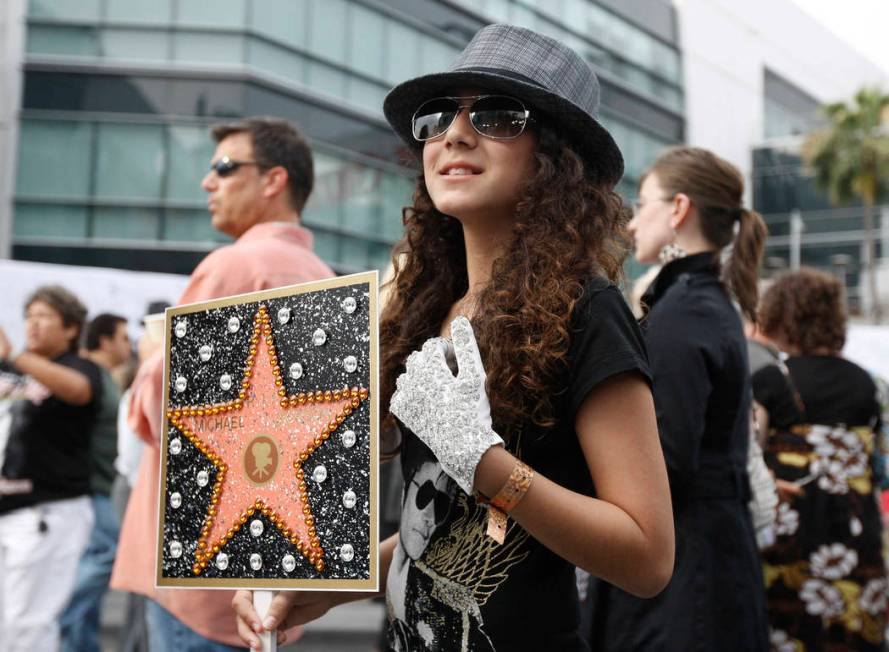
(864, 24)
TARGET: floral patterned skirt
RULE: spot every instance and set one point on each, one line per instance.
(825, 576)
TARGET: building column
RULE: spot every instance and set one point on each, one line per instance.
(12, 54)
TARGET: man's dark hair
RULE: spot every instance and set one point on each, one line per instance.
(70, 308)
(276, 142)
(104, 325)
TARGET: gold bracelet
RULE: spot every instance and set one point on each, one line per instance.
(506, 499)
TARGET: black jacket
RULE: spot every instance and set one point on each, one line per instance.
(716, 598)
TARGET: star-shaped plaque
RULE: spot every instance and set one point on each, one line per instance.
(268, 447)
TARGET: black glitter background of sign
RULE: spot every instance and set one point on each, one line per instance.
(323, 367)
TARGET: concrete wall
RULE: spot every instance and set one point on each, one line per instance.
(12, 47)
(726, 45)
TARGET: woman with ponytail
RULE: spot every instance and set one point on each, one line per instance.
(689, 217)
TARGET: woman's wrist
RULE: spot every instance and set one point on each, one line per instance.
(493, 471)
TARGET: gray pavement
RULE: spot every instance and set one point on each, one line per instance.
(352, 627)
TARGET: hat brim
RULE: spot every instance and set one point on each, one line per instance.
(590, 139)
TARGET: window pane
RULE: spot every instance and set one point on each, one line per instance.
(189, 226)
(282, 19)
(276, 60)
(74, 9)
(126, 222)
(219, 13)
(355, 253)
(326, 79)
(50, 221)
(63, 39)
(138, 11)
(368, 51)
(135, 44)
(327, 35)
(130, 161)
(54, 159)
(396, 192)
(403, 53)
(326, 246)
(366, 94)
(198, 47)
(361, 206)
(436, 55)
(190, 151)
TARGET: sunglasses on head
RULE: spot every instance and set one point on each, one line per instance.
(428, 493)
(494, 116)
(227, 166)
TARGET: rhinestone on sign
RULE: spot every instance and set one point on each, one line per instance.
(349, 499)
(203, 478)
(205, 352)
(349, 305)
(176, 446)
(255, 561)
(288, 563)
(349, 438)
(234, 324)
(181, 384)
(319, 475)
(175, 500)
(296, 371)
(350, 363)
(175, 549)
(319, 337)
(222, 561)
(225, 382)
(347, 552)
(181, 328)
(256, 527)
(283, 315)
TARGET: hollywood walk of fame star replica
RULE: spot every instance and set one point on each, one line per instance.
(270, 440)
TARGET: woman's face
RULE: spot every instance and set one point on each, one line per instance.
(651, 224)
(475, 178)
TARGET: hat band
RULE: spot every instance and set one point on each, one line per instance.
(504, 73)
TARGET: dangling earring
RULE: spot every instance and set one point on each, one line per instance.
(671, 251)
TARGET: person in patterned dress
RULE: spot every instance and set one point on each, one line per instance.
(825, 573)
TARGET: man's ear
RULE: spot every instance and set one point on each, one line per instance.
(276, 179)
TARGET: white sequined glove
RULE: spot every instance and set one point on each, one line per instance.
(451, 415)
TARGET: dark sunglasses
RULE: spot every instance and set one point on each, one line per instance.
(426, 494)
(494, 116)
(226, 166)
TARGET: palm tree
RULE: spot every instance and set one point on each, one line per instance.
(850, 159)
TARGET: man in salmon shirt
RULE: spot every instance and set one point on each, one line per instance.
(259, 180)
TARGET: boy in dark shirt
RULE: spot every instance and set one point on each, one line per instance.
(48, 396)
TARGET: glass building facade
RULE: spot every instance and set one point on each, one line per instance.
(119, 94)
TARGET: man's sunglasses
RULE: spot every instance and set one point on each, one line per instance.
(226, 166)
(494, 116)
(428, 493)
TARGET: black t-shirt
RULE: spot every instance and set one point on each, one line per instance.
(833, 391)
(450, 586)
(44, 442)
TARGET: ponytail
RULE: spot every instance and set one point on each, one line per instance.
(742, 272)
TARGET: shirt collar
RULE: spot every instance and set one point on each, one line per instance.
(287, 230)
(702, 263)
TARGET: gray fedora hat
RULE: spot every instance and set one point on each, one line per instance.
(549, 76)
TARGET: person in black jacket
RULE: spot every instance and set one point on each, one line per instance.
(688, 217)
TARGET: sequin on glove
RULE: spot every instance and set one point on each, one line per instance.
(451, 415)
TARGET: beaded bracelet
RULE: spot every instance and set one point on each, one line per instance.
(506, 499)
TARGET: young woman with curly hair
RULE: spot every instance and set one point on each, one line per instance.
(511, 365)
(690, 218)
(825, 574)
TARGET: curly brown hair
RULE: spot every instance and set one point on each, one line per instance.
(567, 228)
(805, 309)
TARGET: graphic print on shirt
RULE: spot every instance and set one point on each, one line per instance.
(436, 588)
(15, 390)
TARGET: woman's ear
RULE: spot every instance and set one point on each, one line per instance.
(680, 209)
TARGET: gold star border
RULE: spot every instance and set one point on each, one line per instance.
(313, 551)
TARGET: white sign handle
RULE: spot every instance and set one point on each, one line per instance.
(262, 600)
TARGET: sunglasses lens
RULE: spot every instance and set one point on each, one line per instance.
(425, 494)
(224, 167)
(498, 117)
(434, 117)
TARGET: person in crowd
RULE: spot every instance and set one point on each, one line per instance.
(259, 180)
(690, 219)
(542, 452)
(825, 574)
(107, 344)
(48, 401)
